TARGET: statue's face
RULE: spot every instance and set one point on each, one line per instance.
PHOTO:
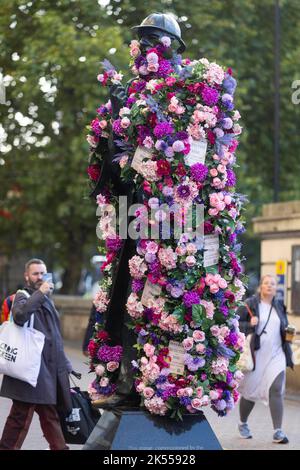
(150, 38)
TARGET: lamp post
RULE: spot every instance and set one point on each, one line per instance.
(276, 102)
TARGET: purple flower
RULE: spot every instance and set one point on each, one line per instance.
(110, 353)
(117, 128)
(143, 132)
(102, 109)
(169, 392)
(209, 95)
(191, 298)
(165, 68)
(108, 390)
(154, 267)
(199, 172)
(181, 135)
(229, 84)
(137, 285)
(155, 339)
(113, 244)
(224, 310)
(140, 85)
(161, 379)
(130, 101)
(176, 292)
(232, 238)
(183, 191)
(231, 178)
(194, 363)
(227, 123)
(163, 128)
(139, 61)
(220, 405)
(185, 401)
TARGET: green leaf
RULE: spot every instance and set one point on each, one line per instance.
(198, 313)
(179, 314)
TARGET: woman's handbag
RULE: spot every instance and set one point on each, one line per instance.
(21, 350)
(80, 423)
(246, 360)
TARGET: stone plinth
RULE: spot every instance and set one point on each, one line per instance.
(75, 313)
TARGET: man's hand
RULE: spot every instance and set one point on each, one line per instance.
(46, 288)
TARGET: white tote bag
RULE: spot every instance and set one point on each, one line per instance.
(245, 362)
(21, 351)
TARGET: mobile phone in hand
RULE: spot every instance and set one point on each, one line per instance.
(47, 277)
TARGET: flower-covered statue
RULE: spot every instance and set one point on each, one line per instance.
(169, 144)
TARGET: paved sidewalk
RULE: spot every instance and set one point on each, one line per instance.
(224, 428)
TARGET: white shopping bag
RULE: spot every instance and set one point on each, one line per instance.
(21, 351)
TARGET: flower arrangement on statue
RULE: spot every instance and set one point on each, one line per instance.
(172, 107)
(104, 358)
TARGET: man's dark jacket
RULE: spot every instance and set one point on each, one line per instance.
(53, 386)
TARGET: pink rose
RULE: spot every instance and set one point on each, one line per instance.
(200, 348)
(180, 250)
(213, 212)
(196, 403)
(152, 67)
(215, 330)
(213, 395)
(148, 392)
(188, 343)
(99, 370)
(190, 261)
(227, 200)
(178, 146)
(149, 349)
(140, 387)
(213, 172)
(199, 392)
(112, 366)
(125, 122)
(205, 400)
(222, 284)
(214, 288)
(152, 58)
(198, 335)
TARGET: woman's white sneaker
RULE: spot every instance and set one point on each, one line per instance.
(245, 431)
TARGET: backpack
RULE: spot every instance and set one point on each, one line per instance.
(6, 308)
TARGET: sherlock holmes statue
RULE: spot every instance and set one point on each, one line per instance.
(170, 336)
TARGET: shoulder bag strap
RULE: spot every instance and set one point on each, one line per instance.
(249, 310)
(263, 330)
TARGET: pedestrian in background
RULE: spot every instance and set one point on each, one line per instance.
(267, 318)
(52, 390)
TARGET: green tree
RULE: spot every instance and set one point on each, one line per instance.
(50, 55)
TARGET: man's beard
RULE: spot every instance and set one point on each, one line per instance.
(34, 285)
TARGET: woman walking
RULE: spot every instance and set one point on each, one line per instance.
(267, 318)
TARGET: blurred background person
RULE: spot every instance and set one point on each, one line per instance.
(267, 318)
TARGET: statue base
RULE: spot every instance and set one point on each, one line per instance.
(138, 430)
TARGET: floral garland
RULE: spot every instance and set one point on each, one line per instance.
(172, 105)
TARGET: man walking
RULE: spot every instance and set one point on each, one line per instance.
(52, 389)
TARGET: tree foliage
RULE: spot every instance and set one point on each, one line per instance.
(50, 55)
